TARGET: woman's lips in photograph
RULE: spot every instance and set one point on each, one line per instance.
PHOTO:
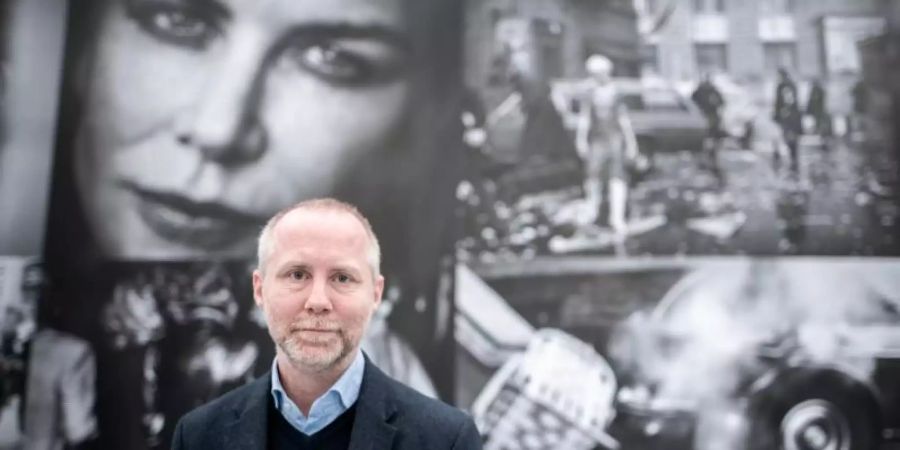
(206, 225)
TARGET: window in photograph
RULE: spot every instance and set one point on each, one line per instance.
(709, 6)
(777, 6)
(778, 55)
(650, 55)
(548, 35)
(711, 58)
(496, 14)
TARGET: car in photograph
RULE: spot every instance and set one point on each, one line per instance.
(663, 119)
(765, 355)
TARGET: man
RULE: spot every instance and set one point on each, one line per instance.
(787, 115)
(711, 103)
(318, 283)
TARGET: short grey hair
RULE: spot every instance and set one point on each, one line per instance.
(266, 236)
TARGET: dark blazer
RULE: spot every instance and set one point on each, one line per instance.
(389, 415)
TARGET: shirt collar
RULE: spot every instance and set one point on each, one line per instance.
(346, 387)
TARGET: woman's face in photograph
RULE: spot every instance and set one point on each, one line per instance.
(202, 118)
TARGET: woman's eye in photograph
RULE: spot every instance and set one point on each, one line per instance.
(350, 62)
(189, 26)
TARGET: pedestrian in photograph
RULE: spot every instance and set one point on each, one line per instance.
(710, 101)
(856, 123)
(788, 117)
(816, 108)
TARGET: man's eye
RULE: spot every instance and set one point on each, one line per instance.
(176, 24)
(343, 278)
(297, 275)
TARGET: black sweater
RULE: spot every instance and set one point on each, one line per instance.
(335, 436)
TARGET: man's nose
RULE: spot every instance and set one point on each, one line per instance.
(224, 122)
(318, 301)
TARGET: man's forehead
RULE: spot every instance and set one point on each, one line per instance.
(318, 224)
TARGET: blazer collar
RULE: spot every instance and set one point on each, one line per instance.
(375, 410)
(372, 429)
(251, 422)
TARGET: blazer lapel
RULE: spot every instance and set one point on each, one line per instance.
(250, 427)
(375, 409)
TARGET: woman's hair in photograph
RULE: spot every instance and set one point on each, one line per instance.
(67, 233)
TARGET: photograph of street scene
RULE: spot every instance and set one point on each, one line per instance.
(702, 353)
(680, 225)
(678, 127)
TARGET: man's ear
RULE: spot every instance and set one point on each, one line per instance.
(257, 288)
(379, 289)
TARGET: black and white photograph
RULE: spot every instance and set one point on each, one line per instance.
(185, 125)
(679, 218)
(701, 353)
(679, 127)
(602, 224)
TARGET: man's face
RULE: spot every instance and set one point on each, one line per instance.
(317, 289)
(204, 117)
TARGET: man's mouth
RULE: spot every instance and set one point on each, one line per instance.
(316, 336)
(317, 330)
(205, 225)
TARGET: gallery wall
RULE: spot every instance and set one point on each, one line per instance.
(711, 290)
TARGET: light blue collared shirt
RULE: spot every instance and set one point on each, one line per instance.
(337, 400)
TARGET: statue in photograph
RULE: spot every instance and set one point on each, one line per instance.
(607, 141)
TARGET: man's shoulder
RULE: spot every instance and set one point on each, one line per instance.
(418, 411)
(233, 420)
(409, 399)
(424, 422)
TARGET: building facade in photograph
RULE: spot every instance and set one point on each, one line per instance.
(879, 57)
(750, 41)
(562, 33)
